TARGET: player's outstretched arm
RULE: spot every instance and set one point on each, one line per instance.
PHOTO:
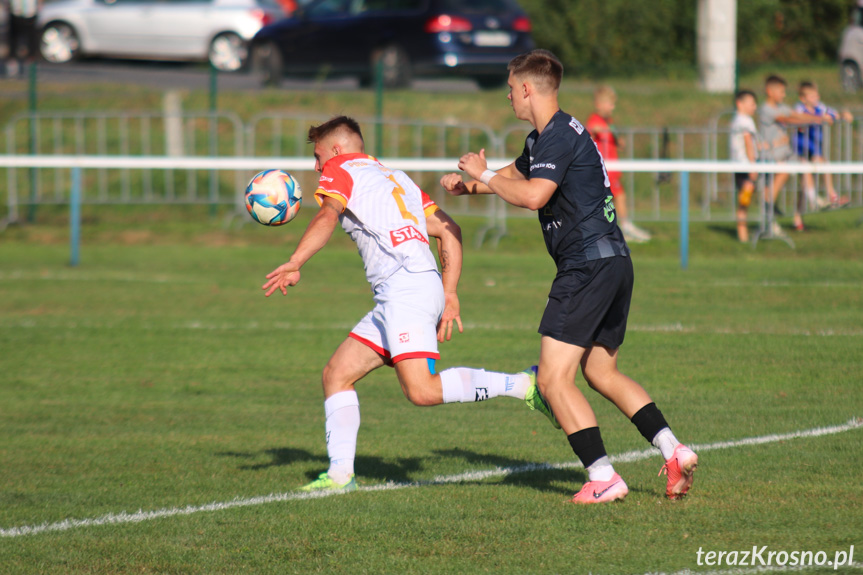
(316, 236)
(456, 186)
(448, 233)
(512, 186)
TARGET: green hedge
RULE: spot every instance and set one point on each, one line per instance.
(602, 37)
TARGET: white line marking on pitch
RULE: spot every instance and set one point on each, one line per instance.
(212, 325)
(627, 457)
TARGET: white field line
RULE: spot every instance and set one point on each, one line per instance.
(47, 322)
(762, 569)
(627, 457)
(131, 277)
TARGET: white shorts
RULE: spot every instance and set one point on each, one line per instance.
(403, 324)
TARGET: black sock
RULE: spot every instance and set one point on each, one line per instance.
(649, 421)
(587, 445)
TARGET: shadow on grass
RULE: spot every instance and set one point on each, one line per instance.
(725, 230)
(377, 468)
(520, 473)
(523, 473)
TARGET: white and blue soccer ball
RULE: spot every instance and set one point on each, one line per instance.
(273, 197)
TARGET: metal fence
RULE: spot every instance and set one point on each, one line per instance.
(650, 196)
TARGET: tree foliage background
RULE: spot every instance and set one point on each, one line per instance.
(599, 37)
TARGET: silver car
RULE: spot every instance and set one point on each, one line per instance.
(851, 51)
(214, 30)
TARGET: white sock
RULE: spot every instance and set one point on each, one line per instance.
(467, 385)
(811, 198)
(600, 470)
(666, 442)
(343, 423)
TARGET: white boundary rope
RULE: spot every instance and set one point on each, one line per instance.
(406, 164)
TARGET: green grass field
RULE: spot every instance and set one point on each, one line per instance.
(155, 377)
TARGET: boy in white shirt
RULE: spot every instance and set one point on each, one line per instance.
(743, 148)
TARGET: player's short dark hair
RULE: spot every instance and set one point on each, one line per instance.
(333, 125)
(775, 79)
(806, 85)
(539, 65)
(741, 94)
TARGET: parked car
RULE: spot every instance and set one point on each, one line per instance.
(406, 38)
(214, 30)
(851, 52)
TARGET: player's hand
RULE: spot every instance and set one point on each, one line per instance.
(473, 164)
(281, 278)
(453, 184)
(450, 314)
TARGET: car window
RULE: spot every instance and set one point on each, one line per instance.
(327, 8)
(407, 4)
(476, 6)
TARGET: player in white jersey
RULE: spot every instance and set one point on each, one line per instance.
(391, 220)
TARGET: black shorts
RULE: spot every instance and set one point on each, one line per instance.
(590, 304)
(740, 179)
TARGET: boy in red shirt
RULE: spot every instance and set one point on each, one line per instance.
(601, 129)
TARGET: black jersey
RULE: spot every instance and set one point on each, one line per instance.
(578, 222)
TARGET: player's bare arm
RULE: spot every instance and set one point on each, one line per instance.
(456, 186)
(316, 236)
(800, 119)
(518, 191)
(439, 225)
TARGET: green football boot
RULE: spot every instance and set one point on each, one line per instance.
(534, 399)
(325, 483)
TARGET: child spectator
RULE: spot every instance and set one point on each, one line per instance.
(808, 143)
(774, 117)
(601, 129)
(743, 148)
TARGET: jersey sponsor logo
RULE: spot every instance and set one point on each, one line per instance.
(540, 166)
(404, 337)
(405, 234)
(549, 225)
(608, 208)
(326, 179)
(576, 125)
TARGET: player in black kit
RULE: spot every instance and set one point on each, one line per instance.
(562, 176)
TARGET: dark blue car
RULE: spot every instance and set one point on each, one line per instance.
(402, 38)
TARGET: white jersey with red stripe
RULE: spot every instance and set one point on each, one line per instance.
(385, 214)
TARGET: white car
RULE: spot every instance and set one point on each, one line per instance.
(214, 30)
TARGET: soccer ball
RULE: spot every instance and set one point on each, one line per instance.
(273, 197)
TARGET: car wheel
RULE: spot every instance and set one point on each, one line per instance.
(394, 66)
(59, 43)
(267, 61)
(228, 52)
(850, 76)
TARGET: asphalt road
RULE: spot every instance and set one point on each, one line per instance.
(183, 75)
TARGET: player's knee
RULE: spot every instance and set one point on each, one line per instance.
(420, 396)
(544, 383)
(333, 380)
(420, 392)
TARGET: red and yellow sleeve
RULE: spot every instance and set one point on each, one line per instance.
(429, 207)
(335, 183)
